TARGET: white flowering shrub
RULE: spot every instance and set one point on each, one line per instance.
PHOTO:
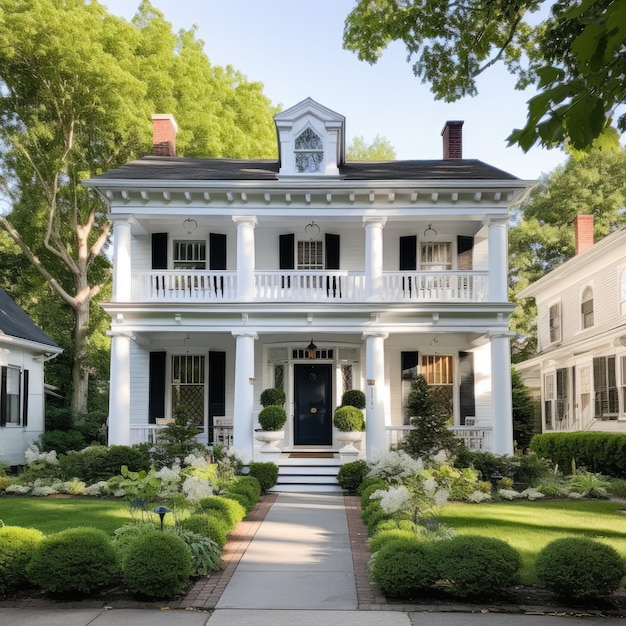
(478, 496)
(101, 488)
(531, 493)
(43, 490)
(195, 488)
(394, 466)
(508, 494)
(33, 454)
(19, 489)
(394, 499)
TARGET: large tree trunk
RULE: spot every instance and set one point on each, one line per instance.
(80, 372)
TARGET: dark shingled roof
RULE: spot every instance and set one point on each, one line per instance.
(15, 322)
(181, 168)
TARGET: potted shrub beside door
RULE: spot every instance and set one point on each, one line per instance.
(272, 419)
(350, 424)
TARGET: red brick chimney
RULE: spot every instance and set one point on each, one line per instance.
(164, 129)
(452, 134)
(583, 227)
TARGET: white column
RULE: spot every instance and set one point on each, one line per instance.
(119, 392)
(501, 401)
(498, 261)
(243, 439)
(374, 257)
(245, 256)
(121, 261)
(376, 434)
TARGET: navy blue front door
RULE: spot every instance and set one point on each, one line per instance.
(313, 410)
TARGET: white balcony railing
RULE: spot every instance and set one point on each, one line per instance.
(308, 286)
(436, 286)
(475, 438)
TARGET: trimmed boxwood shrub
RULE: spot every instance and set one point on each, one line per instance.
(351, 474)
(383, 536)
(353, 397)
(232, 511)
(241, 498)
(272, 417)
(601, 453)
(373, 484)
(101, 462)
(16, 548)
(272, 397)
(61, 441)
(157, 565)
(348, 419)
(73, 561)
(404, 567)
(477, 567)
(212, 525)
(265, 473)
(580, 568)
(247, 485)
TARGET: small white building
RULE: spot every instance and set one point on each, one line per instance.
(24, 348)
(311, 274)
(580, 367)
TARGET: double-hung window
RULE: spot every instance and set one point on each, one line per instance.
(555, 322)
(190, 255)
(586, 308)
(13, 383)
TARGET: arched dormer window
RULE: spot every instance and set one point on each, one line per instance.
(586, 308)
(309, 151)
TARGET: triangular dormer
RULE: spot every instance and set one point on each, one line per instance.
(311, 140)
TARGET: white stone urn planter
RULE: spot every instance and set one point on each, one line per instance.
(270, 438)
(347, 439)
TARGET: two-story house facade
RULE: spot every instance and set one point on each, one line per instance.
(313, 275)
(24, 349)
(580, 367)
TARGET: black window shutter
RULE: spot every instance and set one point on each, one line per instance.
(286, 259)
(217, 251)
(217, 384)
(3, 396)
(159, 251)
(464, 247)
(408, 253)
(410, 361)
(25, 399)
(156, 396)
(332, 252)
(467, 399)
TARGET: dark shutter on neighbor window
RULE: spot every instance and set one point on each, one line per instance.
(217, 384)
(217, 251)
(467, 399)
(156, 397)
(464, 247)
(408, 253)
(332, 252)
(3, 396)
(159, 251)
(286, 259)
(25, 398)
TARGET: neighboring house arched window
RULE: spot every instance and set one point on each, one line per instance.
(622, 292)
(586, 308)
(309, 151)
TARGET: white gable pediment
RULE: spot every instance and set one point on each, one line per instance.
(311, 140)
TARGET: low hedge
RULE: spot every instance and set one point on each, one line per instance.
(352, 474)
(17, 546)
(231, 510)
(212, 525)
(579, 568)
(265, 473)
(601, 453)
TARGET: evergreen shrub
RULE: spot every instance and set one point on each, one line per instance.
(579, 568)
(61, 441)
(265, 473)
(157, 565)
(212, 525)
(232, 511)
(384, 536)
(476, 567)
(244, 500)
(368, 487)
(404, 567)
(348, 419)
(16, 548)
(272, 418)
(247, 485)
(73, 561)
(351, 475)
(353, 397)
(272, 396)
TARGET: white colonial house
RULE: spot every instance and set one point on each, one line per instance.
(311, 274)
(24, 348)
(580, 368)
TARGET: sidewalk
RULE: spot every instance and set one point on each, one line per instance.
(297, 558)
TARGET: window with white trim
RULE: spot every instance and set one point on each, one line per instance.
(309, 152)
(555, 322)
(438, 370)
(605, 386)
(310, 255)
(190, 255)
(586, 308)
(10, 396)
(548, 399)
(187, 385)
(436, 256)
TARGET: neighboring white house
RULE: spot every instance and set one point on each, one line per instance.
(24, 348)
(580, 368)
(311, 274)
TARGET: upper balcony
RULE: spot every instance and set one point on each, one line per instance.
(167, 286)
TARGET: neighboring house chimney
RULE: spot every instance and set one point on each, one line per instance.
(583, 227)
(452, 134)
(164, 129)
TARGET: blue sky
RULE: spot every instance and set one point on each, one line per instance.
(294, 48)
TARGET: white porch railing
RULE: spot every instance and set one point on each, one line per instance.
(177, 285)
(436, 286)
(475, 438)
(309, 286)
(143, 433)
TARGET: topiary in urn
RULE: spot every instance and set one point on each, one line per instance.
(272, 417)
(349, 419)
(353, 397)
(272, 396)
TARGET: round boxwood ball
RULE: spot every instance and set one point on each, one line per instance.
(16, 548)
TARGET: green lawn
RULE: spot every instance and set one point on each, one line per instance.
(528, 526)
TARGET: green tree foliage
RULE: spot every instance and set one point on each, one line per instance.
(574, 57)
(523, 411)
(77, 89)
(542, 236)
(379, 150)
